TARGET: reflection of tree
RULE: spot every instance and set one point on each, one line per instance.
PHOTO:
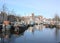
(57, 34)
(56, 31)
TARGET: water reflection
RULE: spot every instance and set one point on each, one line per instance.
(57, 35)
(36, 34)
(41, 34)
(10, 37)
(36, 27)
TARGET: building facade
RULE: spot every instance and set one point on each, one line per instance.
(3, 16)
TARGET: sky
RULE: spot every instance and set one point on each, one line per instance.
(46, 8)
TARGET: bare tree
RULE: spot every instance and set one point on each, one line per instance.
(56, 17)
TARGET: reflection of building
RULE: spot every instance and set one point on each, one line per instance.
(31, 29)
(36, 27)
(39, 27)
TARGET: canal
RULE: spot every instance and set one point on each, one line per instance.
(35, 34)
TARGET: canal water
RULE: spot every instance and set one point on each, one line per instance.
(36, 34)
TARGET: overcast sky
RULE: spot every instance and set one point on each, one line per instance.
(46, 8)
